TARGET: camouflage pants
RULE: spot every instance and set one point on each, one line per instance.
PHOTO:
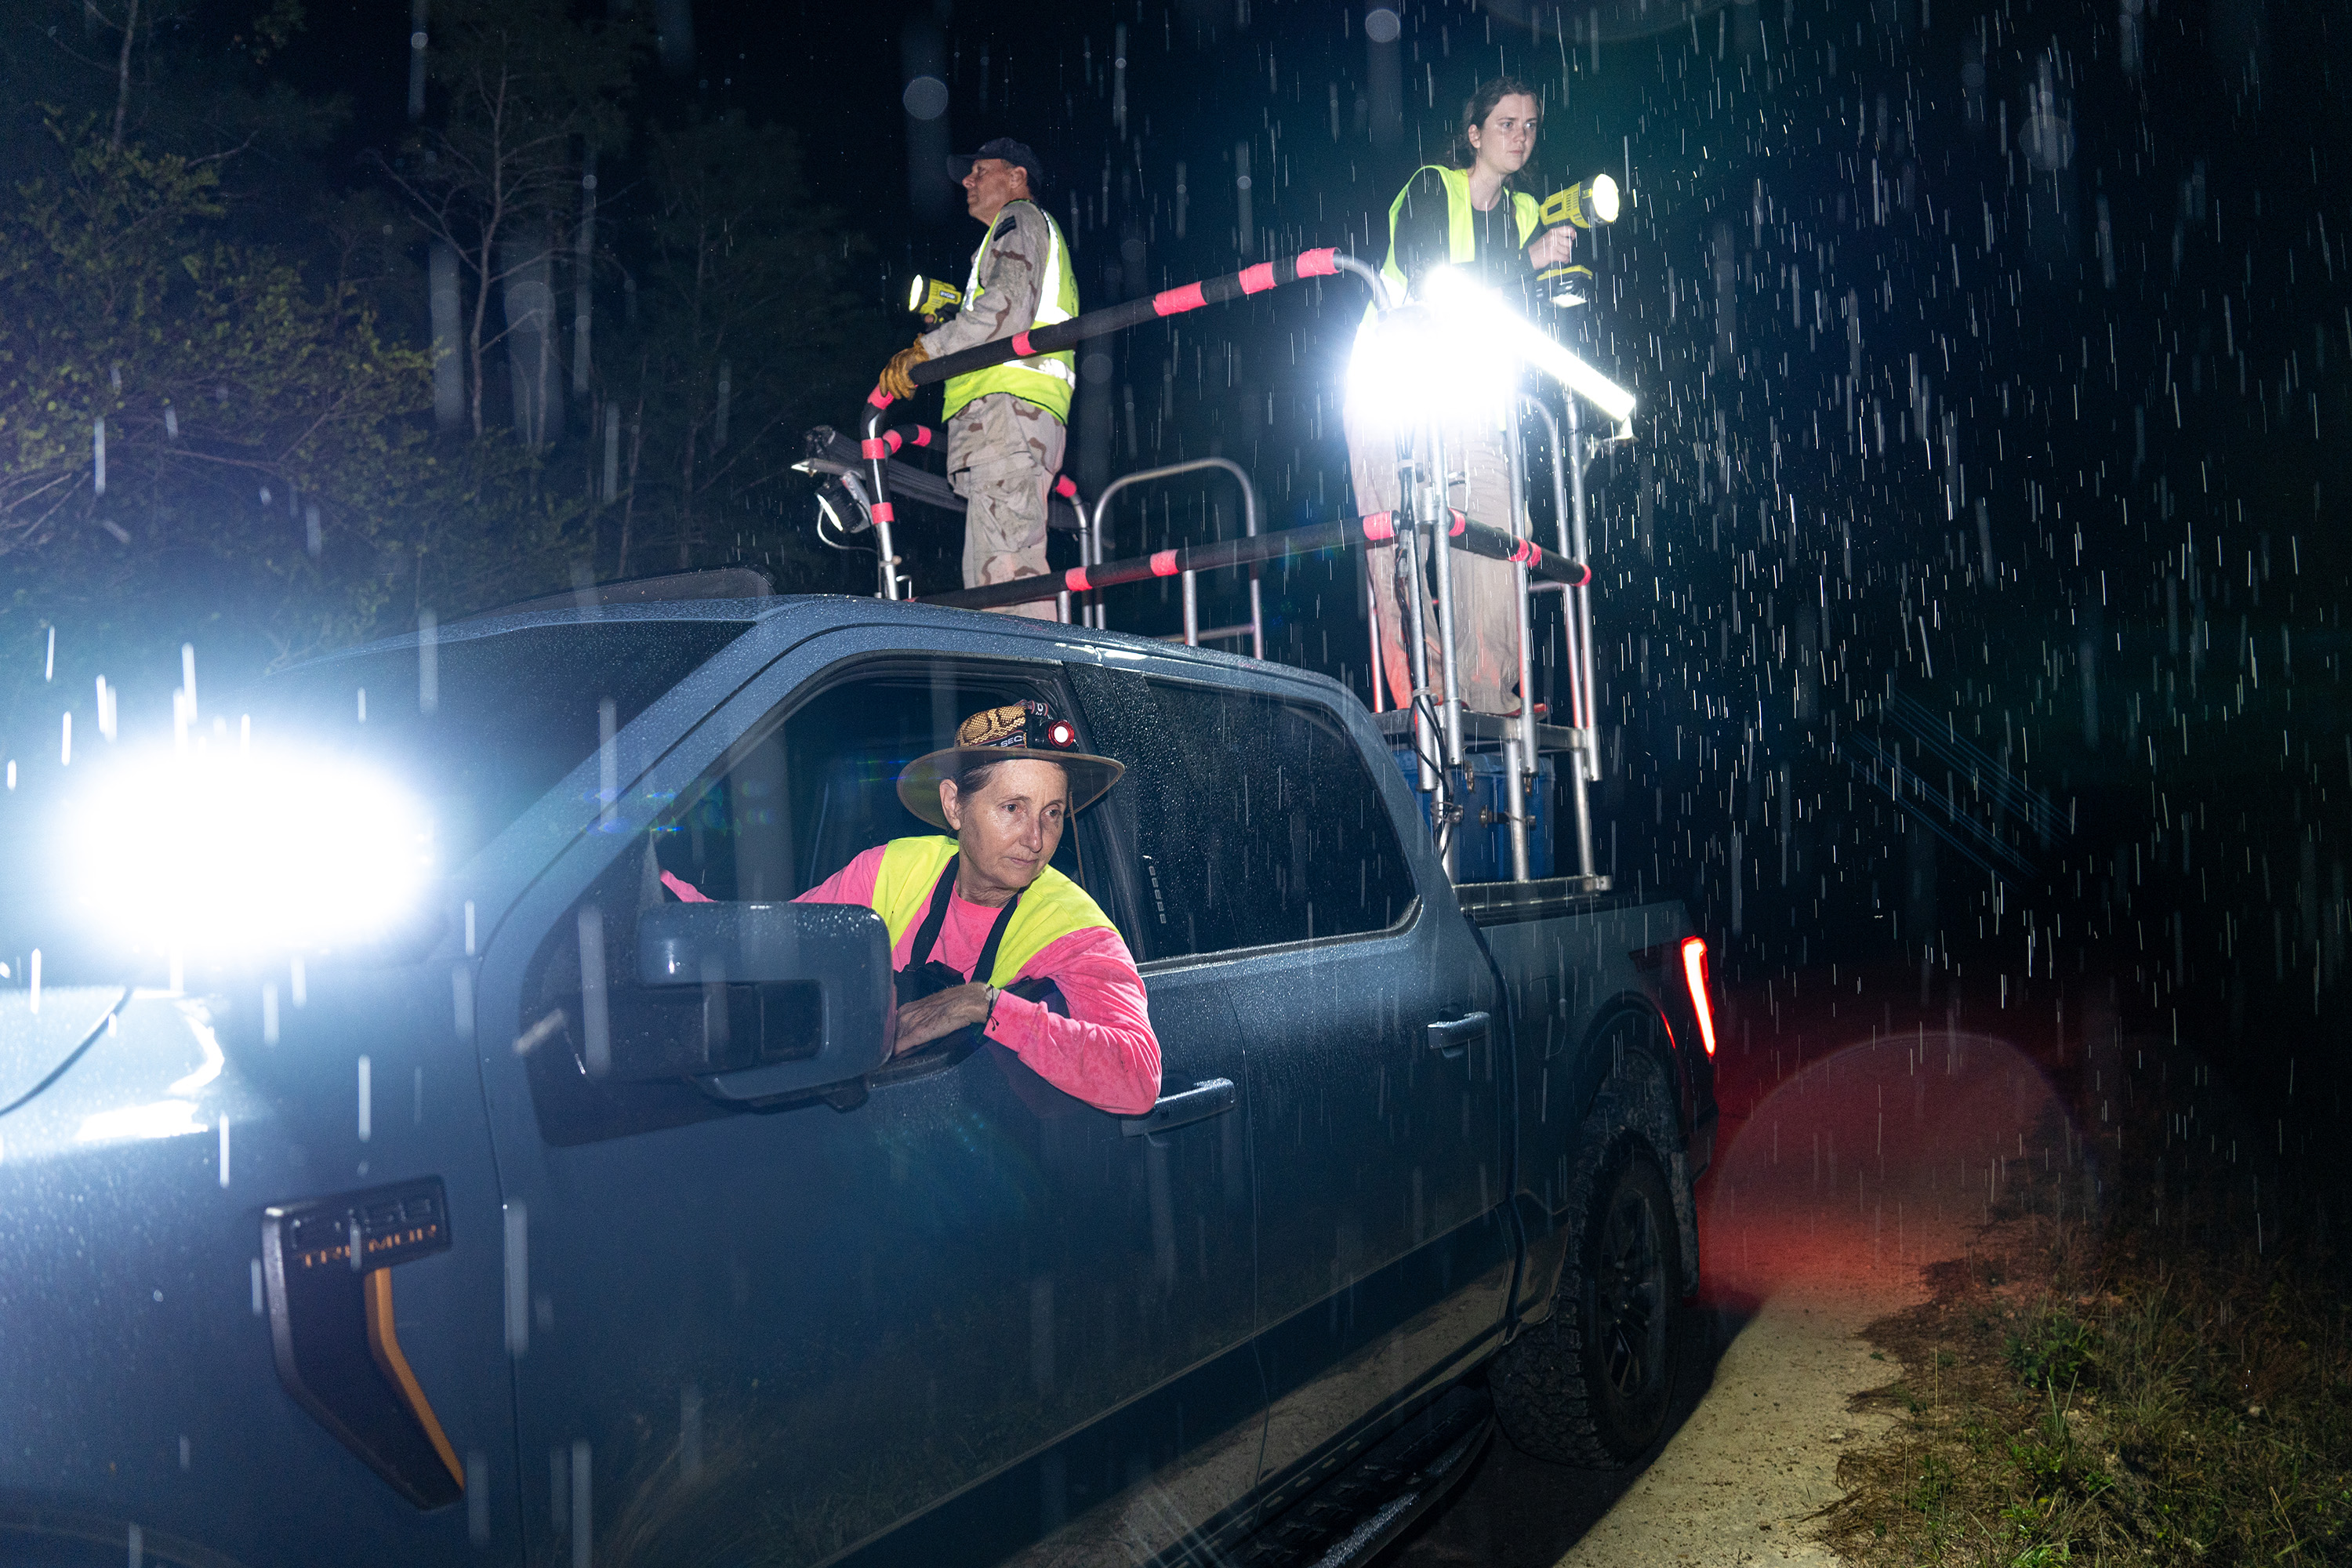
(1003, 455)
(1485, 593)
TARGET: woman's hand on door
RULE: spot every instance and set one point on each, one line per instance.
(941, 1014)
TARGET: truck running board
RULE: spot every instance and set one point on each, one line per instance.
(1358, 1513)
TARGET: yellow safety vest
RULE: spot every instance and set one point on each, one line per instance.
(1046, 380)
(1461, 238)
(1051, 907)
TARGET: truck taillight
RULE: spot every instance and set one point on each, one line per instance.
(1694, 977)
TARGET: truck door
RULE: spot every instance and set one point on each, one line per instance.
(1383, 1252)
(966, 1317)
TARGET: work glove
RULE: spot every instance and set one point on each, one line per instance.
(897, 376)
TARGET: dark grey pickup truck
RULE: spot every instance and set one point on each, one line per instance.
(500, 1233)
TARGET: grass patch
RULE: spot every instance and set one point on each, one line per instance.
(2152, 1388)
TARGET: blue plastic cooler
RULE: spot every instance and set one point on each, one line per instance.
(1484, 853)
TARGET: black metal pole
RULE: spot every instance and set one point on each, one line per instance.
(1373, 528)
(1326, 262)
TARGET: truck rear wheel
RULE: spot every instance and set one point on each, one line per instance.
(1590, 1386)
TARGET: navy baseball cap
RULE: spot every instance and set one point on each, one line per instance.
(1015, 153)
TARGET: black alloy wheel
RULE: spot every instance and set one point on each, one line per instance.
(1631, 1301)
(1593, 1384)
(1627, 1304)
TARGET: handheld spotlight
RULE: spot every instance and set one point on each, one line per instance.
(1587, 205)
(934, 297)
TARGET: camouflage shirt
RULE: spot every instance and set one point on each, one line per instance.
(1008, 283)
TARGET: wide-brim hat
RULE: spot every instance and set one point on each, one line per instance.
(1015, 730)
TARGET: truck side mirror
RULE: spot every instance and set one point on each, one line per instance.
(754, 1003)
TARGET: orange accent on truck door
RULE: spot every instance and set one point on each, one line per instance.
(383, 1343)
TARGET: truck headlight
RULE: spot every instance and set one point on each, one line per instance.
(225, 852)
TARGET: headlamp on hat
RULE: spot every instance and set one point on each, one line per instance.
(1028, 729)
(1018, 727)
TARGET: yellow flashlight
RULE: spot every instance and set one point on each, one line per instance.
(1587, 205)
(932, 296)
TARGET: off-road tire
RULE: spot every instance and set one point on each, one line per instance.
(1590, 1386)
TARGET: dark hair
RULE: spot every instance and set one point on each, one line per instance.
(971, 776)
(1459, 154)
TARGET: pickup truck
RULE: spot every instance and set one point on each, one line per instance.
(538, 1217)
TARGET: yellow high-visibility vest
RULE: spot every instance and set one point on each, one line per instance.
(1461, 237)
(1051, 907)
(1048, 378)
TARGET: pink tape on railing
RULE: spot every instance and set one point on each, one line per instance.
(1379, 525)
(1461, 522)
(879, 446)
(922, 435)
(1163, 564)
(1075, 580)
(1174, 301)
(879, 398)
(686, 891)
(885, 512)
(1066, 487)
(1526, 552)
(1021, 348)
(1258, 279)
(1323, 263)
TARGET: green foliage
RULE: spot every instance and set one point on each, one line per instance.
(1933, 1484)
(241, 400)
(2054, 1351)
(2173, 1396)
(254, 333)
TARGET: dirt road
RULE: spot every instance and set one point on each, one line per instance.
(1836, 1177)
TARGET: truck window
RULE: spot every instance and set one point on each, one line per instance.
(799, 799)
(514, 711)
(808, 787)
(1253, 819)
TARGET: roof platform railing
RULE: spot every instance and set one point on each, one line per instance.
(1415, 352)
(1191, 636)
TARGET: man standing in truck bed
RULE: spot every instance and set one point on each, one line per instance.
(1006, 424)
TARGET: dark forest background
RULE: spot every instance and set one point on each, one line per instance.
(1970, 603)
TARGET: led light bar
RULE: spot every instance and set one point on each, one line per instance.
(1454, 293)
(1578, 376)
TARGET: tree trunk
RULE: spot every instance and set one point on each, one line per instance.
(686, 502)
(123, 75)
(583, 293)
(629, 507)
(481, 307)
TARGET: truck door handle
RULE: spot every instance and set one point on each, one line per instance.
(1211, 1097)
(1453, 1039)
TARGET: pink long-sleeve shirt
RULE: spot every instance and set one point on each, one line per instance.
(1103, 1053)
